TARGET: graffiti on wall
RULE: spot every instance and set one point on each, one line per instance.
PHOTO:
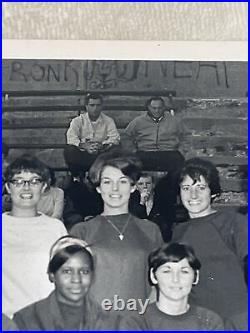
(183, 76)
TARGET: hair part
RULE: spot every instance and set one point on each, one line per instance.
(27, 163)
(197, 167)
(129, 165)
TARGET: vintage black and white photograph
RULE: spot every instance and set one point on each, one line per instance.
(144, 165)
(124, 167)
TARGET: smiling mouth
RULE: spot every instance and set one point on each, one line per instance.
(26, 196)
(115, 196)
(194, 202)
(76, 291)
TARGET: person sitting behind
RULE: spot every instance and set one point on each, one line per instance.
(68, 307)
(89, 134)
(145, 204)
(51, 202)
(155, 136)
(27, 236)
(173, 271)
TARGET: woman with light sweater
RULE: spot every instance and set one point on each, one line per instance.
(27, 236)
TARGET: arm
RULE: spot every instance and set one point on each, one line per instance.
(59, 203)
(129, 137)
(239, 232)
(73, 133)
(113, 137)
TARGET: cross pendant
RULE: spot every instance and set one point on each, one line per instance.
(121, 237)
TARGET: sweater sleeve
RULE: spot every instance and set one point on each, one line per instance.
(239, 234)
(234, 231)
(79, 230)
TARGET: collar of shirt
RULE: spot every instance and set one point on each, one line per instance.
(98, 120)
(155, 120)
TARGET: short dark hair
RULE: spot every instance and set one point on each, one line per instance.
(173, 252)
(28, 163)
(129, 165)
(154, 98)
(5, 149)
(197, 167)
(92, 96)
(66, 253)
(146, 175)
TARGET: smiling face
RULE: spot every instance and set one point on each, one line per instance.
(174, 280)
(25, 196)
(196, 197)
(115, 189)
(72, 280)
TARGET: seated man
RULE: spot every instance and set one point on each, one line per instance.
(89, 134)
(155, 136)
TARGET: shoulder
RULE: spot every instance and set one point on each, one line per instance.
(57, 191)
(50, 220)
(53, 224)
(82, 228)
(208, 318)
(30, 312)
(229, 218)
(107, 118)
(148, 227)
(139, 119)
(78, 118)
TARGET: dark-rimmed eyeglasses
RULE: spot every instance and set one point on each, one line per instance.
(31, 182)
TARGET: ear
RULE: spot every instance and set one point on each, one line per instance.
(133, 188)
(52, 277)
(98, 190)
(152, 277)
(197, 276)
(7, 186)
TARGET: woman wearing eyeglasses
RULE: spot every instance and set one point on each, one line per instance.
(26, 236)
(220, 237)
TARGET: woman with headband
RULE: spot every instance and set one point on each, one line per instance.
(67, 308)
